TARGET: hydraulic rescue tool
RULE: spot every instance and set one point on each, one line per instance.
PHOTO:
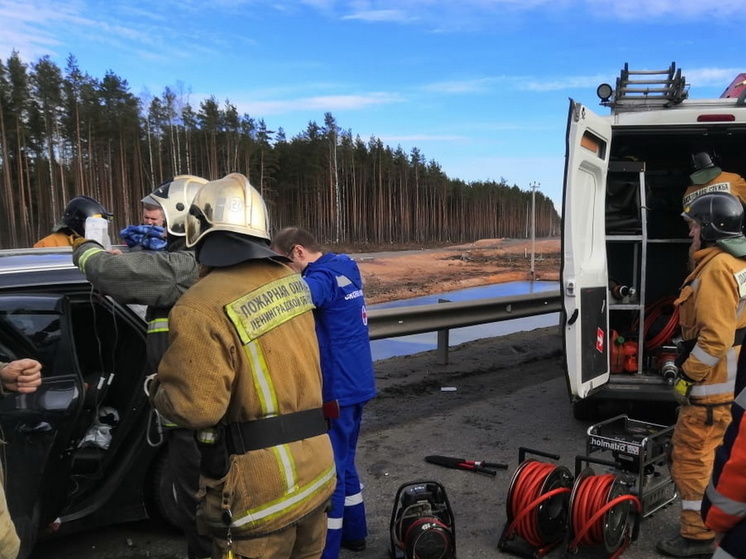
(641, 450)
(462, 464)
(422, 523)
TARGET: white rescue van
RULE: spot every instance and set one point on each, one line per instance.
(625, 245)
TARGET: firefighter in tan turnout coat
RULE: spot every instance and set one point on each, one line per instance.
(712, 307)
(242, 369)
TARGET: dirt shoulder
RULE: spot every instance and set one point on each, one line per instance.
(396, 275)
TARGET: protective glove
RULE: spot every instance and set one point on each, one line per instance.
(682, 386)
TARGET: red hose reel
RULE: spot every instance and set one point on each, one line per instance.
(546, 506)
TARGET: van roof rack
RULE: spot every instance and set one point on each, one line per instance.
(646, 89)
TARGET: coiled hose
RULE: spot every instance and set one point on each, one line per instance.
(589, 507)
(526, 497)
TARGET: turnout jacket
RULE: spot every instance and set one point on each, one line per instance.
(731, 183)
(243, 349)
(56, 239)
(342, 329)
(711, 308)
(153, 278)
(724, 503)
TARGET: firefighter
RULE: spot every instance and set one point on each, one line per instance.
(708, 177)
(72, 224)
(724, 503)
(347, 365)
(157, 278)
(711, 315)
(242, 369)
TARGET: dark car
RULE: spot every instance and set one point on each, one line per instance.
(84, 450)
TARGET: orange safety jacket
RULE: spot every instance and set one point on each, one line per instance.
(724, 503)
(56, 239)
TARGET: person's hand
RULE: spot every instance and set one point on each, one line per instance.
(682, 386)
(114, 251)
(21, 375)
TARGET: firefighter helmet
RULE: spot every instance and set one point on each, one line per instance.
(701, 160)
(79, 209)
(719, 214)
(230, 204)
(174, 197)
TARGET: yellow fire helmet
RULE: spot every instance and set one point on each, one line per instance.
(175, 197)
(229, 204)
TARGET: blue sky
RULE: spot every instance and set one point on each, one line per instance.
(480, 86)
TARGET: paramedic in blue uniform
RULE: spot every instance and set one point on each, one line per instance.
(347, 369)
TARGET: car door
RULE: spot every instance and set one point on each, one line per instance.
(38, 428)
(584, 274)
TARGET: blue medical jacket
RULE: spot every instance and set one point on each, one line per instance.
(342, 329)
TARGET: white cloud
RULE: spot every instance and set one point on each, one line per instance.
(330, 103)
(396, 16)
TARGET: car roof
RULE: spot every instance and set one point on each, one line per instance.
(30, 267)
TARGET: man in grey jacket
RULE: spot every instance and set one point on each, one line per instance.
(157, 279)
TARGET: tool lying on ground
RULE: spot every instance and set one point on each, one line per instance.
(461, 464)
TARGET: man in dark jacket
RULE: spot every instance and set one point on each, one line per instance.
(157, 279)
(347, 366)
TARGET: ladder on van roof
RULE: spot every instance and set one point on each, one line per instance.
(648, 89)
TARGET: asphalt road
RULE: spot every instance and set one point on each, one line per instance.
(501, 394)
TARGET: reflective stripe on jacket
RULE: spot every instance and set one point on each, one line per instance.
(711, 309)
(242, 348)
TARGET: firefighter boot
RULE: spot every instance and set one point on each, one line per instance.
(680, 546)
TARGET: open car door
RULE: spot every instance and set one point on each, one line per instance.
(38, 428)
(584, 273)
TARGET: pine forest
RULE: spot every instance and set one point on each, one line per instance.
(65, 133)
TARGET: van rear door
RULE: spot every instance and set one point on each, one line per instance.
(584, 274)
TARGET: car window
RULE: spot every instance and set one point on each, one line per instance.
(36, 335)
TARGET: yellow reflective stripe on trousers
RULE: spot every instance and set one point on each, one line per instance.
(158, 325)
(86, 255)
(287, 502)
(265, 390)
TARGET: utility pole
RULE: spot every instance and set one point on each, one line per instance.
(534, 187)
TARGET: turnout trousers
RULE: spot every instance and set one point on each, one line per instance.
(304, 540)
(347, 515)
(183, 465)
(699, 431)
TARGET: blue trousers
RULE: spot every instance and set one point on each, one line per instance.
(346, 519)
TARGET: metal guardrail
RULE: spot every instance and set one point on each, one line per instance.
(416, 319)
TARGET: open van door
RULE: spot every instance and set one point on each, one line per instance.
(584, 276)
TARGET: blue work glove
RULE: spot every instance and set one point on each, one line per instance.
(147, 236)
